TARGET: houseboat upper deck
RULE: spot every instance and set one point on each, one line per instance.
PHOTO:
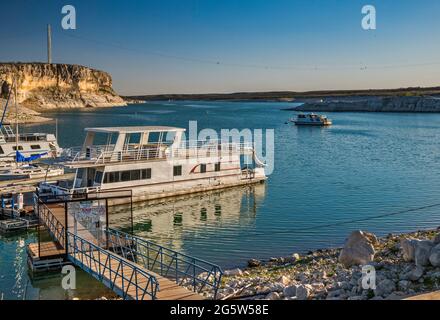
(148, 143)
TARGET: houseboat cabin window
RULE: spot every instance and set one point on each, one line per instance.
(146, 173)
(128, 175)
(177, 171)
(80, 173)
(202, 168)
(125, 176)
(135, 175)
(35, 146)
(98, 177)
(217, 166)
(111, 177)
(17, 148)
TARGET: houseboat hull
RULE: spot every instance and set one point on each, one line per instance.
(147, 193)
(321, 124)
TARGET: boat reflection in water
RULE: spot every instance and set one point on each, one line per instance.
(179, 223)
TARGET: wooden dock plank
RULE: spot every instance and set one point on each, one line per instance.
(47, 250)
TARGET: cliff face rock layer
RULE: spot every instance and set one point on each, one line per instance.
(44, 86)
(387, 104)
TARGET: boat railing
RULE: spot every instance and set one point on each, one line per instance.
(186, 150)
(185, 270)
(55, 227)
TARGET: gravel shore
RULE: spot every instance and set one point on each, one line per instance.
(320, 275)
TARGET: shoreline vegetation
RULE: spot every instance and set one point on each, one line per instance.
(406, 265)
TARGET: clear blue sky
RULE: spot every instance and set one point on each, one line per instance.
(173, 46)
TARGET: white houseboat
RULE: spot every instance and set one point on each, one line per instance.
(311, 120)
(154, 162)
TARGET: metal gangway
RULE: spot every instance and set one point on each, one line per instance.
(134, 268)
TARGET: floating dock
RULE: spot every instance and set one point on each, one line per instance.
(132, 267)
(27, 185)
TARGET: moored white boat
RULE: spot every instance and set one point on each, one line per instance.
(154, 162)
(311, 120)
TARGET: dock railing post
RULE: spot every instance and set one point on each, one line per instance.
(131, 211)
(177, 268)
(39, 226)
(66, 228)
(106, 222)
(194, 274)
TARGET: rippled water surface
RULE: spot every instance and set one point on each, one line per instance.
(368, 171)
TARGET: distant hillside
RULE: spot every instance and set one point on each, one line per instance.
(291, 95)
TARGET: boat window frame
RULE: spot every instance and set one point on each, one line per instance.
(99, 174)
(177, 171)
(146, 173)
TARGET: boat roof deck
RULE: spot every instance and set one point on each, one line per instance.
(138, 129)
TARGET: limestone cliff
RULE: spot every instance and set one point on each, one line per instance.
(44, 86)
(377, 104)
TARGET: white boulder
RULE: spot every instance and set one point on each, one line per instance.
(408, 249)
(290, 291)
(358, 249)
(303, 292)
(422, 252)
(434, 256)
(284, 280)
(233, 272)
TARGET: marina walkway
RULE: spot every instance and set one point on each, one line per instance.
(127, 278)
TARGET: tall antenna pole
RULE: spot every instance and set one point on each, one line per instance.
(16, 114)
(49, 44)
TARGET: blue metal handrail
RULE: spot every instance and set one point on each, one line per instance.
(56, 228)
(97, 261)
(82, 253)
(183, 269)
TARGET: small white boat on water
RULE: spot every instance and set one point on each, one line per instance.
(311, 120)
(31, 171)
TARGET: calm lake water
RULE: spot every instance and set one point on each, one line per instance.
(368, 171)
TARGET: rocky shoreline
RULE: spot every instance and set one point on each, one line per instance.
(405, 265)
(428, 104)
